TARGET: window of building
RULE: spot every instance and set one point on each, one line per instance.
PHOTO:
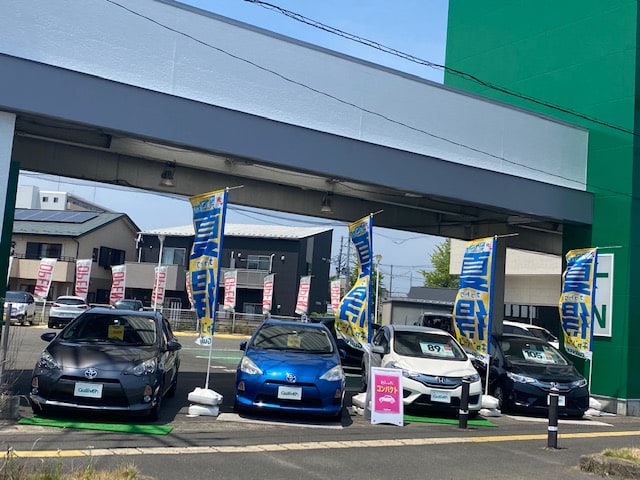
(259, 262)
(110, 256)
(37, 250)
(45, 199)
(55, 199)
(174, 256)
(252, 308)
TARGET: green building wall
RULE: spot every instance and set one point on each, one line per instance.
(577, 61)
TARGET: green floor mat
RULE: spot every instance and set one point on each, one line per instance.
(108, 427)
(449, 421)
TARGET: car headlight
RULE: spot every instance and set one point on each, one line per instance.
(147, 367)
(405, 372)
(333, 375)
(474, 378)
(249, 367)
(520, 378)
(579, 383)
(47, 361)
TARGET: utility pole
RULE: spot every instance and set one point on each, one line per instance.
(391, 280)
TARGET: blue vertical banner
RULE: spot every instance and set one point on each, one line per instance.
(576, 301)
(353, 317)
(472, 309)
(209, 212)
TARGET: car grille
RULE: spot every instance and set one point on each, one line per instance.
(562, 387)
(112, 393)
(433, 381)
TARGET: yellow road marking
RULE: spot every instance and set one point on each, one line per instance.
(301, 446)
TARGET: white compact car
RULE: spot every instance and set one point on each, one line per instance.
(433, 367)
(64, 309)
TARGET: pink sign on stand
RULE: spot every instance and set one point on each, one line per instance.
(386, 397)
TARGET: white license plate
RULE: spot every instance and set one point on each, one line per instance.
(440, 396)
(290, 393)
(85, 389)
(562, 401)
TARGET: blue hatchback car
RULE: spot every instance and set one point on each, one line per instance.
(290, 366)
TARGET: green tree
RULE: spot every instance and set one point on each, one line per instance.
(440, 276)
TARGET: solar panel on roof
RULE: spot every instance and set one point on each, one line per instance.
(58, 216)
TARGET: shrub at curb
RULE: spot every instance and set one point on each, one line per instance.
(609, 466)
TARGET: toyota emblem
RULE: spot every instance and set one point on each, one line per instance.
(291, 378)
(90, 373)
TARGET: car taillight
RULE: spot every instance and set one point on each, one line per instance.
(56, 305)
(84, 307)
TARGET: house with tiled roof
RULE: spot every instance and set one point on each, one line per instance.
(68, 235)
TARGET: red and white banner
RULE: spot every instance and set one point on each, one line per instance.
(230, 282)
(83, 274)
(267, 294)
(335, 295)
(159, 286)
(187, 283)
(302, 304)
(119, 275)
(45, 276)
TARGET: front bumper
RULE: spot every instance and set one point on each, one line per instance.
(418, 394)
(532, 398)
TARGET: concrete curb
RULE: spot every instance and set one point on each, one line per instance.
(609, 466)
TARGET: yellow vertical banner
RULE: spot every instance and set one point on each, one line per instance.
(576, 301)
(209, 211)
(473, 304)
(353, 317)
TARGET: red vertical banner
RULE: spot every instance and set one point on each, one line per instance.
(230, 285)
(119, 276)
(267, 294)
(159, 286)
(45, 277)
(302, 304)
(83, 275)
(335, 290)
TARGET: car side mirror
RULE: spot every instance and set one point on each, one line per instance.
(48, 336)
(243, 345)
(379, 349)
(173, 345)
(343, 354)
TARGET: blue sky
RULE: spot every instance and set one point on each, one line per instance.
(416, 27)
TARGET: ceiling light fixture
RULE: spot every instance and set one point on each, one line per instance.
(325, 207)
(166, 178)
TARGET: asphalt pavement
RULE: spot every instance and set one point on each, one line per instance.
(231, 446)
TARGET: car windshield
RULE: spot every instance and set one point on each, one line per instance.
(127, 304)
(427, 344)
(121, 329)
(70, 301)
(543, 335)
(299, 338)
(16, 297)
(523, 351)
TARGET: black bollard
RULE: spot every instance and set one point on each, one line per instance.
(463, 412)
(552, 429)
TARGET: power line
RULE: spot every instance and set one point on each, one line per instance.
(407, 56)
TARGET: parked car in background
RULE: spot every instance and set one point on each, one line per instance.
(517, 328)
(129, 304)
(433, 367)
(107, 360)
(523, 371)
(23, 307)
(289, 367)
(64, 309)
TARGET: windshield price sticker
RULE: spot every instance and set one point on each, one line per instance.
(537, 356)
(440, 396)
(86, 389)
(290, 393)
(436, 349)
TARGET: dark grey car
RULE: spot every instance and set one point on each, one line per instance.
(107, 360)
